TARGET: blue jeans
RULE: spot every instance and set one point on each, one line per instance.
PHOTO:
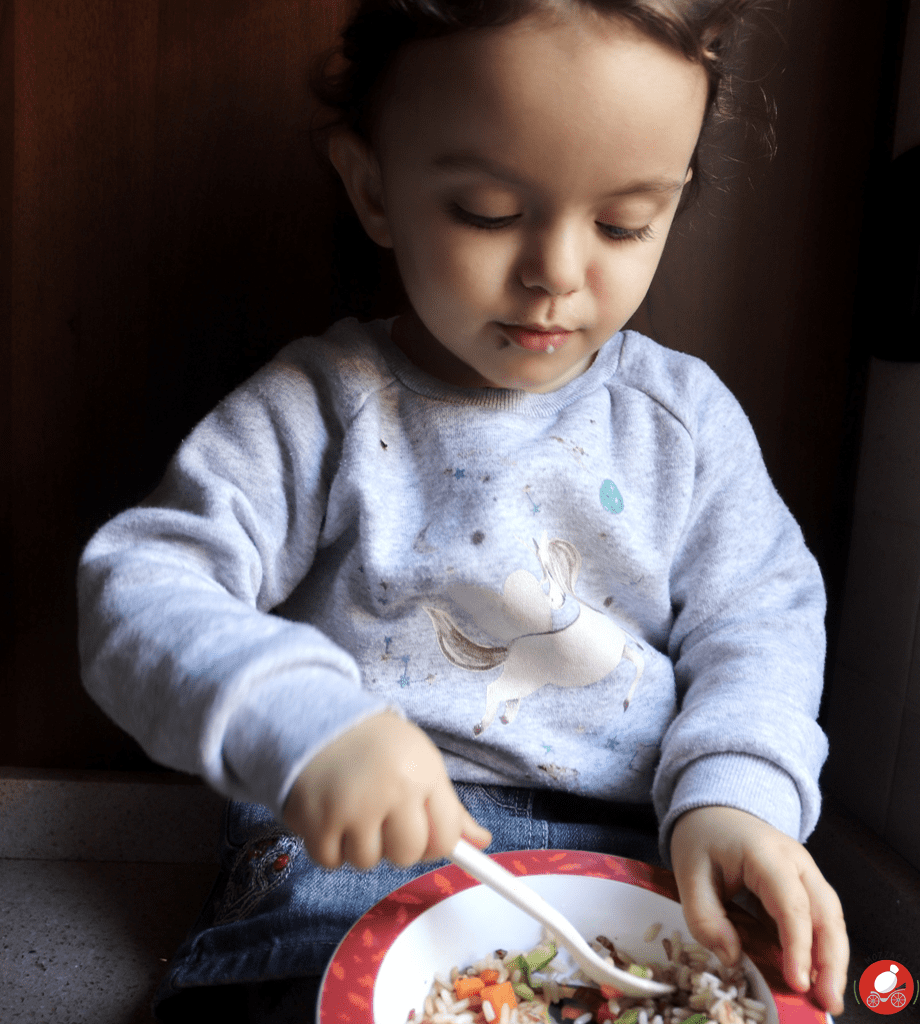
(274, 919)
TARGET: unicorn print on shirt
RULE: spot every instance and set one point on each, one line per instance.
(548, 638)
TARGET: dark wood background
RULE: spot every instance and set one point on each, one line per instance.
(165, 227)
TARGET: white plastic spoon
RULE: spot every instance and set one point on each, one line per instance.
(474, 862)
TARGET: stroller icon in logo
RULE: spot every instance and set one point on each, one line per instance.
(886, 987)
(883, 988)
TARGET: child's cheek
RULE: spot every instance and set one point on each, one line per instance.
(468, 271)
(597, 283)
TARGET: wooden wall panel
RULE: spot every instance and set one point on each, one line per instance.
(167, 226)
(760, 279)
(240, 249)
(7, 588)
(83, 161)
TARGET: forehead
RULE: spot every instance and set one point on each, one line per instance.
(579, 97)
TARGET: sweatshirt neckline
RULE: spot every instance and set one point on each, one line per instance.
(502, 399)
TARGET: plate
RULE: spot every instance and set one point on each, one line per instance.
(384, 967)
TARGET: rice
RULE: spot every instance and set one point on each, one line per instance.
(705, 991)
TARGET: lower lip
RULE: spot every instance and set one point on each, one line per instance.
(537, 341)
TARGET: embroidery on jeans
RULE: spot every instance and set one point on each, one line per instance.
(258, 868)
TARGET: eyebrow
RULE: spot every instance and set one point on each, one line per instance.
(465, 161)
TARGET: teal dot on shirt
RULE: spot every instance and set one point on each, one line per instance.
(611, 498)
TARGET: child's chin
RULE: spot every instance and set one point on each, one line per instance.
(548, 380)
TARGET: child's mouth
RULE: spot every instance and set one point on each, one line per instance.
(535, 338)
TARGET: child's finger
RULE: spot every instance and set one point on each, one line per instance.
(831, 947)
(448, 820)
(705, 913)
(780, 888)
(324, 847)
(476, 833)
(405, 835)
(443, 823)
(362, 845)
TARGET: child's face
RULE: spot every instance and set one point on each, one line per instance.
(527, 176)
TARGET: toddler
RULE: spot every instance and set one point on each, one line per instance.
(495, 567)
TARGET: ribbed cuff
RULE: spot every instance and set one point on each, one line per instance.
(744, 781)
(281, 725)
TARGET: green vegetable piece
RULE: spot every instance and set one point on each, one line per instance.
(540, 956)
(535, 960)
(696, 1018)
(628, 1017)
(639, 970)
(522, 990)
(521, 964)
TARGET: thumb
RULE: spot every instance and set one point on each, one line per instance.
(705, 914)
(474, 832)
(448, 819)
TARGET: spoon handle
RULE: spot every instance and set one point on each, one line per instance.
(474, 862)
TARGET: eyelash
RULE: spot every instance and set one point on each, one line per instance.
(614, 233)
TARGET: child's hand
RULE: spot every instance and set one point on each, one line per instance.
(379, 790)
(716, 851)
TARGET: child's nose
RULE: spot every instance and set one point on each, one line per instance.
(555, 263)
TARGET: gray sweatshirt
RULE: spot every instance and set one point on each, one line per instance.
(596, 590)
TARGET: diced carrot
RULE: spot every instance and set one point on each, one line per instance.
(466, 986)
(571, 1012)
(489, 977)
(499, 995)
(609, 992)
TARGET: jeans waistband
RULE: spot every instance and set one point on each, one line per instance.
(571, 809)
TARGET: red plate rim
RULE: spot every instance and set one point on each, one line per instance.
(346, 993)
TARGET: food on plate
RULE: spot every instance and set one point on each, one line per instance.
(520, 987)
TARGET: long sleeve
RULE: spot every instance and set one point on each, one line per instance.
(178, 643)
(747, 639)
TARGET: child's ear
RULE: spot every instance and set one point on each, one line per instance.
(359, 170)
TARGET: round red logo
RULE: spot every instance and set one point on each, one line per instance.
(886, 986)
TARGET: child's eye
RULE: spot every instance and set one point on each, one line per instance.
(477, 221)
(613, 232)
(626, 234)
